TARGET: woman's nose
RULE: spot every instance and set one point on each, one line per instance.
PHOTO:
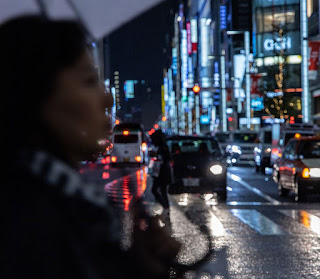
(108, 101)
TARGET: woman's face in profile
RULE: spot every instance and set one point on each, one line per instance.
(75, 112)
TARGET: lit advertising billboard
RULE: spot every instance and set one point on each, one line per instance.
(270, 3)
(270, 45)
(129, 89)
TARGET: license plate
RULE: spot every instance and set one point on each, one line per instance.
(126, 159)
(191, 182)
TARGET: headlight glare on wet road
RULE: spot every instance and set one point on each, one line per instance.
(216, 169)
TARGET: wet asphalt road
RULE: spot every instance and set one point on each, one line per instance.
(255, 234)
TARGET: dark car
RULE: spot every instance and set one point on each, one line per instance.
(262, 150)
(298, 170)
(198, 166)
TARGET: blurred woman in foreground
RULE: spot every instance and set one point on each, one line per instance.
(52, 117)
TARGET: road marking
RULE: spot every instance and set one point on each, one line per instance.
(238, 179)
(216, 226)
(305, 218)
(257, 221)
(237, 203)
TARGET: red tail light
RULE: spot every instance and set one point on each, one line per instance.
(113, 159)
(138, 159)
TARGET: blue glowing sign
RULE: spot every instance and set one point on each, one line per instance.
(257, 104)
(174, 61)
(204, 119)
(223, 17)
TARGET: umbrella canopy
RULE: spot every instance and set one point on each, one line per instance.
(100, 17)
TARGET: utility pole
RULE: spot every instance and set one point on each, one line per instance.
(223, 98)
(248, 81)
(305, 96)
(178, 81)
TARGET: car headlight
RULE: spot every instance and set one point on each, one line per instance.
(267, 151)
(314, 172)
(216, 169)
(234, 149)
(257, 149)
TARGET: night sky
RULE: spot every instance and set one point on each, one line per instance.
(137, 51)
(137, 47)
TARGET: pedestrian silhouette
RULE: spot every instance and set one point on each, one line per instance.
(162, 181)
(53, 115)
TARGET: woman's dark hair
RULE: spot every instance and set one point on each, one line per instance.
(33, 50)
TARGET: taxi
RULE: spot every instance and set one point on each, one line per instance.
(298, 170)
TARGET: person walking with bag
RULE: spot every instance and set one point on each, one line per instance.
(163, 176)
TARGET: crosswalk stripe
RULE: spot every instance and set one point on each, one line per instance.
(257, 221)
(216, 225)
(258, 192)
(305, 218)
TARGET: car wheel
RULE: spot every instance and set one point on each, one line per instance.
(298, 193)
(222, 195)
(257, 168)
(282, 191)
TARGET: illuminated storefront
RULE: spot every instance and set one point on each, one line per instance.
(276, 47)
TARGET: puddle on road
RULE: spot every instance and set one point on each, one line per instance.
(121, 192)
(305, 218)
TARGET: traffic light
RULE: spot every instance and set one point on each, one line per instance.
(196, 89)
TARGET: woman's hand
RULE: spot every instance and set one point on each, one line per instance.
(154, 247)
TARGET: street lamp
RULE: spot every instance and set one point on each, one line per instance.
(247, 53)
(196, 90)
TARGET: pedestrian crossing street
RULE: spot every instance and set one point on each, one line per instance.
(269, 218)
(269, 221)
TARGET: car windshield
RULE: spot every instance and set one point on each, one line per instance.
(310, 149)
(291, 135)
(194, 146)
(125, 139)
(244, 137)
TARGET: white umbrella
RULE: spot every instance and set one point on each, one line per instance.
(100, 17)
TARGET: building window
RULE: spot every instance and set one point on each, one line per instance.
(281, 17)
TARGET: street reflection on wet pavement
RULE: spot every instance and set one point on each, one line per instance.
(255, 234)
(124, 191)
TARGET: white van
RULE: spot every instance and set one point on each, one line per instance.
(242, 144)
(129, 144)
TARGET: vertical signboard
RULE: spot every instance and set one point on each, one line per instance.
(129, 89)
(223, 17)
(314, 48)
(204, 42)
(174, 61)
(189, 44)
(163, 103)
(184, 64)
(194, 35)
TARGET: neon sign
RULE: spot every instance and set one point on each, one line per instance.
(277, 44)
